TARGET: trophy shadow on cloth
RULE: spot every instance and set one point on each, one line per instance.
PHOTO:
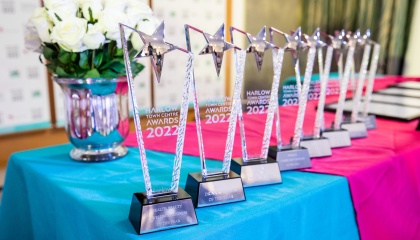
(214, 114)
(163, 205)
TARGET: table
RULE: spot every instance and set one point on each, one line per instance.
(49, 196)
(383, 169)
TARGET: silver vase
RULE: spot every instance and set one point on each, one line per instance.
(97, 117)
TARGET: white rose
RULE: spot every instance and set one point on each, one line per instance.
(146, 26)
(61, 10)
(94, 37)
(42, 24)
(138, 12)
(94, 5)
(69, 34)
(109, 22)
(32, 40)
(116, 5)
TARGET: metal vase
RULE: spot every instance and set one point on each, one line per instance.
(97, 117)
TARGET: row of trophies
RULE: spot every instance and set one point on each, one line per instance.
(255, 110)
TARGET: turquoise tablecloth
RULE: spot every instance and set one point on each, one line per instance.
(49, 196)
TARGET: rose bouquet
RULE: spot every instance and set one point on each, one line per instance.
(81, 38)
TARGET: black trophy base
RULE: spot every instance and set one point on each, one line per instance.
(317, 147)
(356, 129)
(161, 213)
(257, 172)
(215, 189)
(338, 138)
(290, 158)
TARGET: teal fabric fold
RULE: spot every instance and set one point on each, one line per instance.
(49, 196)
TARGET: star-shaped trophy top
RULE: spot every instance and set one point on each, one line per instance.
(339, 41)
(155, 47)
(362, 40)
(216, 45)
(315, 40)
(258, 46)
(366, 37)
(294, 43)
(352, 38)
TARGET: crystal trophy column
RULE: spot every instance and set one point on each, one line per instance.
(256, 111)
(370, 120)
(294, 156)
(215, 114)
(356, 128)
(317, 145)
(167, 205)
(338, 136)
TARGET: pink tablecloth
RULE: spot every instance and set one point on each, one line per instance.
(383, 170)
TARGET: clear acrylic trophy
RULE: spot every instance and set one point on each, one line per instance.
(294, 156)
(217, 113)
(356, 128)
(317, 145)
(357, 117)
(258, 105)
(166, 206)
(370, 120)
(338, 136)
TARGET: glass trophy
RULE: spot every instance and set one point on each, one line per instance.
(317, 145)
(338, 136)
(164, 205)
(256, 111)
(294, 156)
(356, 128)
(214, 113)
(362, 117)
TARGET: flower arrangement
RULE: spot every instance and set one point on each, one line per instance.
(81, 38)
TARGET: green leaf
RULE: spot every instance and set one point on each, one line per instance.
(108, 63)
(73, 57)
(93, 73)
(61, 73)
(117, 66)
(109, 74)
(64, 57)
(90, 14)
(72, 75)
(111, 48)
(136, 68)
(76, 66)
(106, 56)
(84, 61)
(98, 59)
(47, 52)
(80, 72)
(119, 52)
(58, 17)
(132, 52)
(51, 67)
